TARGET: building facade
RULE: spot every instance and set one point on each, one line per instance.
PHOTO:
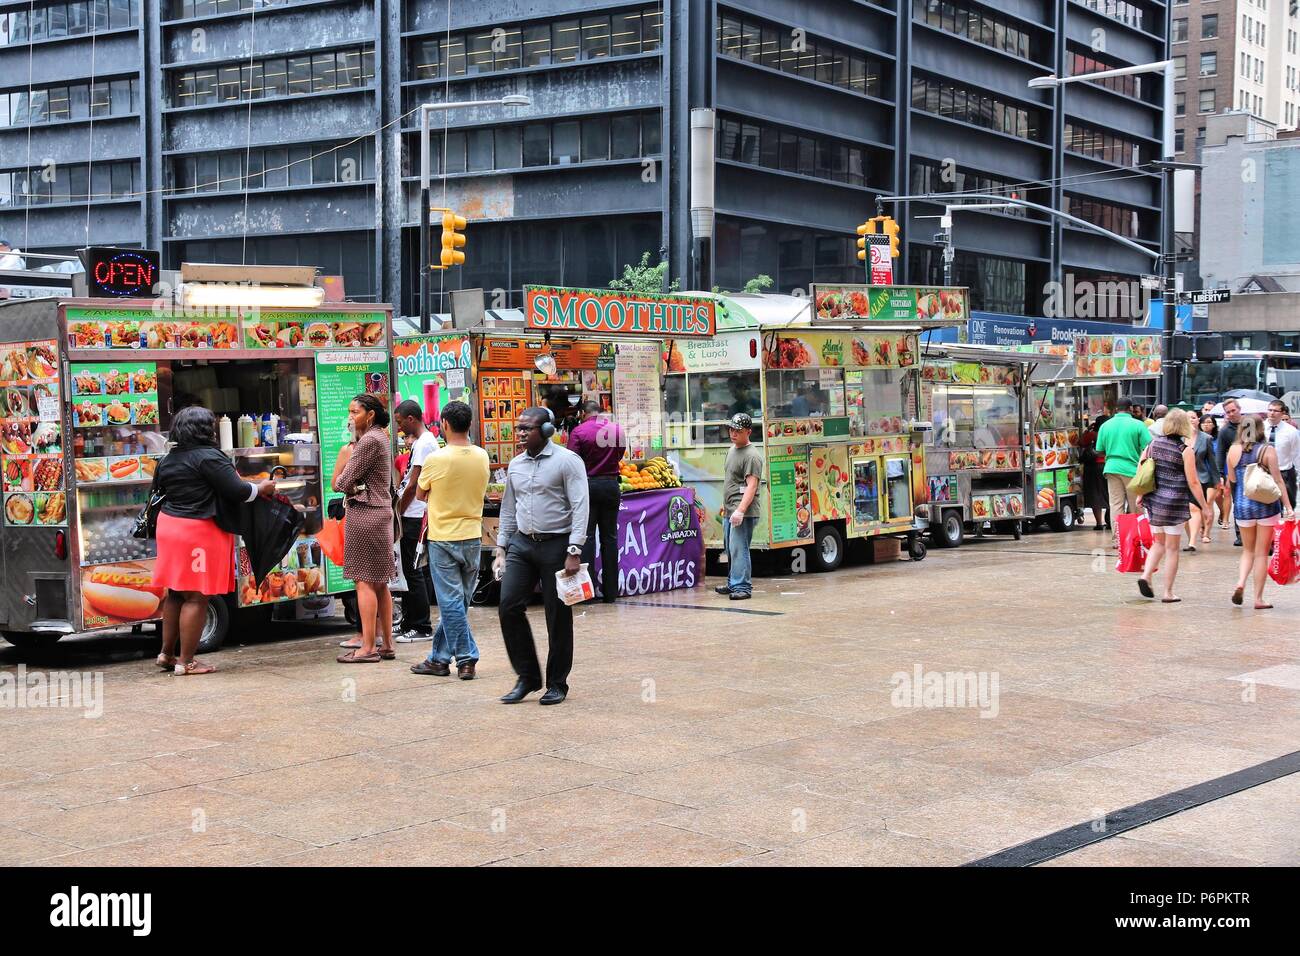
(264, 131)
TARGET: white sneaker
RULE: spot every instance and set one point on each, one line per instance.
(412, 637)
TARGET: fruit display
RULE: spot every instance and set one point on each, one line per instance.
(655, 473)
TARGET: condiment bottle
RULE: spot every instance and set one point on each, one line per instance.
(247, 432)
(225, 436)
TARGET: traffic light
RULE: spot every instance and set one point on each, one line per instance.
(453, 240)
(868, 228)
(890, 228)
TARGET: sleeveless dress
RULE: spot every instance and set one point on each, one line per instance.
(1248, 509)
(1166, 507)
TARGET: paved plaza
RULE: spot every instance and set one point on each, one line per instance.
(696, 732)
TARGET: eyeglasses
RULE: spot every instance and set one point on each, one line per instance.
(525, 428)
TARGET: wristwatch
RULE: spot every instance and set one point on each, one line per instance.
(574, 550)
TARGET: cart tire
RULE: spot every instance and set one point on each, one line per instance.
(349, 602)
(950, 532)
(1062, 520)
(1017, 529)
(28, 639)
(827, 551)
(216, 625)
(916, 549)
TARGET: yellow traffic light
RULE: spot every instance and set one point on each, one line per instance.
(891, 229)
(867, 228)
(453, 240)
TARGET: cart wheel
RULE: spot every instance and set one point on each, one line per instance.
(827, 552)
(26, 639)
(1062, 520)
(950, 531)
(216, 625)
(349, 602)
(916, 549)
(1017, 529)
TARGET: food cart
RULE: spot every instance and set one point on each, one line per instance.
(591, 345)
(832, 385)
(90, 388)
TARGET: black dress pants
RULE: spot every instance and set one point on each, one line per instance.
(415, 600)
(604, 498)
(527, 563)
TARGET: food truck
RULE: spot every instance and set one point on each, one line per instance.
(90, 387)
(832, 384)
(587, 345)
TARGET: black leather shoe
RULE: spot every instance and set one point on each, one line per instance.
(723, 589)
(740, 595)
(521, 690)
(553, 695)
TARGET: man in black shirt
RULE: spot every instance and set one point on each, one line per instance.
(1227, 436)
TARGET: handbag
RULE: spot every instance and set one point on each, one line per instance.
(145, 526)
(1259, 484)
(1144, 482)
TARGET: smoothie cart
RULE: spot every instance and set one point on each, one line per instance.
(832, 386)
(91, 386)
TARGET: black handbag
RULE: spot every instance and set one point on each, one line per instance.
(146, 522)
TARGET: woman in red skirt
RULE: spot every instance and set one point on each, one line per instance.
(196, 558)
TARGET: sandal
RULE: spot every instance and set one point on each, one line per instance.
(1236, 596)
(190, 668)
(352, 657)
(1263, 607)
(1190, 547)
(1145, 587)
(351, 644)
(166, 661)
(387, 653)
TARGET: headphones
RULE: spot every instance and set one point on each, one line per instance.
(547, 428)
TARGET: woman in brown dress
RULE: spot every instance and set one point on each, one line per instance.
(364, 474)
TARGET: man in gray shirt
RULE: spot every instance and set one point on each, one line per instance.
(741, 476)
(542, 529)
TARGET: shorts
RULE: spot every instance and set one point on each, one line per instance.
(1262, 522)
(1175, 530)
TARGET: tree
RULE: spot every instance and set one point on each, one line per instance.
(758, 283)
(644, 278)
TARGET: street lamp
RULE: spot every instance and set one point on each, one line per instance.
(513, 99)
(1167, 165)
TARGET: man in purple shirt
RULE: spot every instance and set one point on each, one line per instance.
(600, 443)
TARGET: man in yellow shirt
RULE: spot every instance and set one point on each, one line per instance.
(453, 481)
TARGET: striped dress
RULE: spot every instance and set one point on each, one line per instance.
(1167, 506)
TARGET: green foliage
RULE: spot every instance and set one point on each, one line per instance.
(758, 283)
(644, 278)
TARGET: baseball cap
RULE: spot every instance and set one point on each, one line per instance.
(740, 421)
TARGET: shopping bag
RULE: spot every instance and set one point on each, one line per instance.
(575, 588)
(1135, 540)
(1284, 565)
(1144, 482)
(398, 582)
(330, 539)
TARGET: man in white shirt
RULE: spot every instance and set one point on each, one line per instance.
(1158, 426)
(416, 625)
(1285, 437)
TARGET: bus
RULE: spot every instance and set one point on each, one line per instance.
(1273, 372)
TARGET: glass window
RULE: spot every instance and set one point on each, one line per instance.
(277, 175)
(565, 36)
(805, 393)
(595, 37)
(251, 81)
(595, 139)
(508, 147)
(479, 149)
(322, 165)
(625, 34)
(299, 74)
(453, 55)
(1209, 64)
(537, 144)
(1210, 27)
(119, 14)
(425, 56)
(455, 152)
(564, 143)
(652, 23)
(275, 77)
(1206, 104)
(57, 103)
(231, 170)
(866, 492)
(478, 52)
(227, 83)
(253, 175)
(510, 54)
(79, 182)
(770, 53)
(716, 396)
(650, 134)
(625, 138)
(537, 45)
(79, 101)
(300, 166)
(322, 72)
(101, 180)
(349, 70)
(58, 20)
(208, 171)
(1179, 32)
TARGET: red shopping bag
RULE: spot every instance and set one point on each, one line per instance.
(1134, 542)
(1284, 565)
(330, 538)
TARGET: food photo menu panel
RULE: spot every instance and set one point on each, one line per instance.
(31, 450)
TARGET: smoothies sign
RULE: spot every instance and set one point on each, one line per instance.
(433, 370)
(600, 311)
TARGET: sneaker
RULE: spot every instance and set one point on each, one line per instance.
(740, 595)
(413, 637)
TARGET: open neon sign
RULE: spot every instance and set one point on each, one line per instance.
(121, 273)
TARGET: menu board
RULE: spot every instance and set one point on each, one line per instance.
(432, 370)
(1044, 491)
(114, 393)
(637, 404)
(502, 396)
(943, 488)
(971, 373)
(997, 507)
(315, 330)
(299, 574)
(840, 349)
(788, 490)
(341, 376)
(987, 459)
(1055, 447)
(145, 329)
(119, 593)
(912, 305)
(31, 450)
(520, 354)
(1116, 356)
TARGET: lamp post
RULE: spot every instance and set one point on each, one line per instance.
(1167, 165)
(514, 99)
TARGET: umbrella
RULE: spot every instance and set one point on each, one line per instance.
(1249, 406)
(1253, 394)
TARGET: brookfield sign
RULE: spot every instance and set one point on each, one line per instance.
(601, 312)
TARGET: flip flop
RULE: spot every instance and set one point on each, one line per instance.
(1236, 596)
(351, 644)
(354, 658)
(1170, 600)
(1190, 547)
(1145, 587)
(1263, 607)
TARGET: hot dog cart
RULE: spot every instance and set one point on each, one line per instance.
(90, 389)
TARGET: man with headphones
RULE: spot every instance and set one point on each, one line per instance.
(542, 529)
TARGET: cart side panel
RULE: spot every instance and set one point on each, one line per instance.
(702, 469)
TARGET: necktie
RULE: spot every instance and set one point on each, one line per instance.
(1272, 435)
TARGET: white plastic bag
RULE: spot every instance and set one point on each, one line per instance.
(576, 588)
(398, 582)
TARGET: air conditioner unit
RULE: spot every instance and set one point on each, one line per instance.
(1206, 73)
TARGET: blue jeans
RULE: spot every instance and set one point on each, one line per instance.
(739, 565)
(453, 565)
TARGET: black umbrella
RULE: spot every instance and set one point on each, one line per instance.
(269, 527)
(1252, 393)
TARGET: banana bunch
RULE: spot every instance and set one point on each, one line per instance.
(655, 473)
